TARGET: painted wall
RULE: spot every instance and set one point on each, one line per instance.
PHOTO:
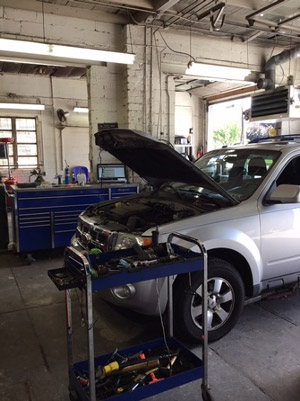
(26, 25)
(66, 94)
(187, 103)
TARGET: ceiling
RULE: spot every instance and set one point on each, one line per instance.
(248, 20)
(256, 21)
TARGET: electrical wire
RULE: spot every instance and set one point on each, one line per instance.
(43, 15)
(82, 315)
(205, 32)
(283, 74)
(176, 51)
(80, 303)
(100, 158)
(160, 316)
(200, 31)
(131, 43)
(190, 10)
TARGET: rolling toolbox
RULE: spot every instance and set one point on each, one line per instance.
(79, 272)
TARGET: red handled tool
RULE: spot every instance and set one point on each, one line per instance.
(154, 379)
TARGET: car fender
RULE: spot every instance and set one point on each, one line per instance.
(242, 237)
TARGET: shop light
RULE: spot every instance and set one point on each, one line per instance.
(54, 52)
(217, 71)
(81, 110)
(22, 106)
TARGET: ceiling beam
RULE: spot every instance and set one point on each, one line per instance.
(246, 4)
(275, 26)
(165, 5)
(253, 5)
(73, 12)
(268, 7)
(159, 8)
(147, 4)
(253, 36)
(296, 16)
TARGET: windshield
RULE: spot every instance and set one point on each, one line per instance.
(201, 197)
(238, 171)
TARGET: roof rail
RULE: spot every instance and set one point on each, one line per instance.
(278, 138)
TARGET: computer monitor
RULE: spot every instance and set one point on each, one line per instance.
(111, 172)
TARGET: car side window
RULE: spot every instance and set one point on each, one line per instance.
(291, 173)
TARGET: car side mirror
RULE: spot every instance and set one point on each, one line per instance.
(285, 193)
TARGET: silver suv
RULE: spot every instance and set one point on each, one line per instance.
(242, 202)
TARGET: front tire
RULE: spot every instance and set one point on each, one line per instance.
(226, 295)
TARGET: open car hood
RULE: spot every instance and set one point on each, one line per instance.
(153, 160)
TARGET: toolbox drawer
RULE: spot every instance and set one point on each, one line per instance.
(56, 201)
(126, 191)
(46, 218)
(61, 192)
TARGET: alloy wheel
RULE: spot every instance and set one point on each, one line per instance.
(220, 303)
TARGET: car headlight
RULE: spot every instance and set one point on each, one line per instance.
(74, 241)
(125, 241)
(124, 292)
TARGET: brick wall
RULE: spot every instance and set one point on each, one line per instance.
(140, 96)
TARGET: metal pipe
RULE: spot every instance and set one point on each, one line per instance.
(145, 127)
(189, 10)
(168, 106)
(269, 81)
(151, 84)
(53, 121)
(269, 7)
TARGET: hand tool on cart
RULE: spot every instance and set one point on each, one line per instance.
(154, 379)
(128, 380)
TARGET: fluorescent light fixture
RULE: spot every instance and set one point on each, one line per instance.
(217, 71)
(22, 106)
(54, 52)
(20, 60)
(81, 110)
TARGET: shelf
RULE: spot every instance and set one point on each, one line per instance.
(73, 276)
(149, 273)
(194, 371)
(83, 380)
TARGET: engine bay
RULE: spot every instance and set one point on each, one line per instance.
(140, 214)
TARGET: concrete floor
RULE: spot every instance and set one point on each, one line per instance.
(258, 361)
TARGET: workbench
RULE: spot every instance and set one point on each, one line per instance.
(46, 217)
(77, 273)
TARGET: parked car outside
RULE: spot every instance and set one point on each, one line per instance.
(242, 202)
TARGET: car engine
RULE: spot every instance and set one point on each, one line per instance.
(100, 224)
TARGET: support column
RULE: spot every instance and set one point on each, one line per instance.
(149, 96)
(104, 106)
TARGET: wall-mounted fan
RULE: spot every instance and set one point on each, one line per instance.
(62, 115)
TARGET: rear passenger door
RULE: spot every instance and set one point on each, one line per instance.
(280, 229)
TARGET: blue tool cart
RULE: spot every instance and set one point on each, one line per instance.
(46, 217)
(80, 271)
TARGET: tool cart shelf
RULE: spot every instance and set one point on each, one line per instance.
(79, 272)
